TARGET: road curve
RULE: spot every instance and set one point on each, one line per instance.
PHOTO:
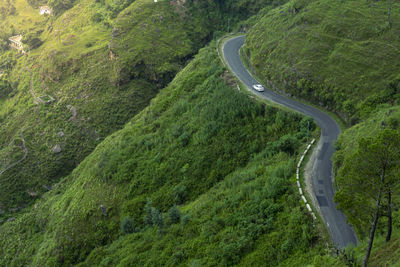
(341, 233)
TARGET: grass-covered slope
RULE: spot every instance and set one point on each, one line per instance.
(226, 161)
(89, 67)
(385, 253)
(98, 69)
(343, 55)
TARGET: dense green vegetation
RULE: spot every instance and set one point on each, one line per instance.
(359, 210)
(342, 55)
(202, 156)
(101, 62)
(214, 152)
(88, 105)
(350, 142)
(369, 182)
(201, 175)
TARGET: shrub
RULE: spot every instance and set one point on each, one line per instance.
(179, 193)
(148, 220)
(174, 214)
(157, 218)
(307, 125)
(393, 122)
(127, 226)
(287, 143)
(185, 219)
(97, 17)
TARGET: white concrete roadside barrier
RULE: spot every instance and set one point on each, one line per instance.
(298, 179)
(313, 215)
(309, 207)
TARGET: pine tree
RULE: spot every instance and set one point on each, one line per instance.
(174, 214)
(157, 218)
(367, 182)
(127, 226)
(148, 220)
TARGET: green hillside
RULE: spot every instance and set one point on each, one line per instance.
(226, 161)
(342, 55)
(383, 253)
(125, 142)
(88, 69)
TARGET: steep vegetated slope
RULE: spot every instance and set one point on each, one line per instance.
(383, 252)
(225, 161)
(201, 176)
(76, 67)
(343, 55)
(88, 68)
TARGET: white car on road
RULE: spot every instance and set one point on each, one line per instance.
(258, 87)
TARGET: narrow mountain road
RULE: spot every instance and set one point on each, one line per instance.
(341, 233)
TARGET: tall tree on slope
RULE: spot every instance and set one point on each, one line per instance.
(367, 181)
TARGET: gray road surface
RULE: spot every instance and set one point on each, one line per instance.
(341, 233)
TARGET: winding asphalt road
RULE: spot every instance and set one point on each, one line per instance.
(341, 233)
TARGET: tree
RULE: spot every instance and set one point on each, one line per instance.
(174, 214)
(179, 193)
(127, 226)
(148, 220)
(367, 181)
(157, 218)
(287, 143)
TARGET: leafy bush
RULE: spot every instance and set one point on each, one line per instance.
(157, 218)
(127, 226)
(97, 17)
(185, 219)
(179, 193)
(174, 214)
(287, 143)
(148, 216)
